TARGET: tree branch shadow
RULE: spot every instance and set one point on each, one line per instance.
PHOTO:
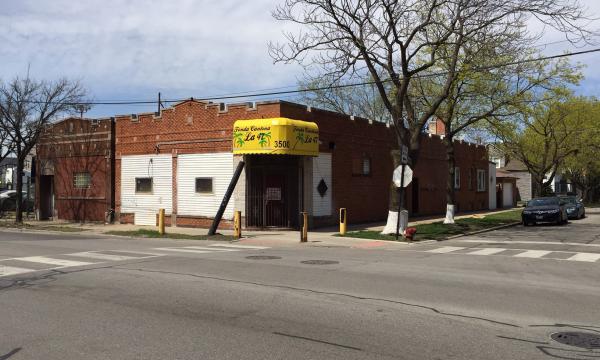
(10, 354)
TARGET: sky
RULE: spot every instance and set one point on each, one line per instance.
(133, 49)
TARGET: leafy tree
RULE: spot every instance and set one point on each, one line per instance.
(583, 169)
(398, 41)
(545, 135)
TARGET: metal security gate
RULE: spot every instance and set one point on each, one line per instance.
(272, 191)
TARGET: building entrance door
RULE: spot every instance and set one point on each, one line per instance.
(272, 191)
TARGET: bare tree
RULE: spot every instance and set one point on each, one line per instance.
(397, 41)
(6, 145)
(362, 101)
(26, 107)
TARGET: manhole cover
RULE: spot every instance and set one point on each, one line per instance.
(263, 257)
(579, 339)
(319, 262)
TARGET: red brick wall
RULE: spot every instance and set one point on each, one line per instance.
(367, 197)
(187, 127)
(78, 145)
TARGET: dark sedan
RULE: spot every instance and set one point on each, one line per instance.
(545, 209)
(575, 208)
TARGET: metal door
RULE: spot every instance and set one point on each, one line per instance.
(275, 201)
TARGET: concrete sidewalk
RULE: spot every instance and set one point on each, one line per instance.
(318, 237)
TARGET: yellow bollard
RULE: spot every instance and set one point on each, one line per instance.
(237, 224)
(304, 231)
(342, 221)
(161, 221)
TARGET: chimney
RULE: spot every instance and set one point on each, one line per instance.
(436, 127)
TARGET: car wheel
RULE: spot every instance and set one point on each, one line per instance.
(525, 223)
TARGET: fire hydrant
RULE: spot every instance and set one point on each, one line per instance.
(409, 233)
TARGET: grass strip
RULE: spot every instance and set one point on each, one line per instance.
(439, 230)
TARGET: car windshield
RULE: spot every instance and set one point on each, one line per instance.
(543, 202)
(570, 199)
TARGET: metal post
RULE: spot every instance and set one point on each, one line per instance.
(343, 221)
(226, 197)
(161, 221)
(237, 224)
(401, 202)
(304, 229)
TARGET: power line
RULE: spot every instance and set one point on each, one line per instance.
(250, 94)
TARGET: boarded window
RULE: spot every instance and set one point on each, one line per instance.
(481, 181)
(457, 178)
(82, 180)
(143, 185)
(361, 165)
(204, 185)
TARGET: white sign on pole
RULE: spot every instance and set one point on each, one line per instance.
(404, 159)
(397, 176)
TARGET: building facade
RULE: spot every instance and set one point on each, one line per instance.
(296, 158)
(75, 171)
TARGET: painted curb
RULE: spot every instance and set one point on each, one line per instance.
(482, 231)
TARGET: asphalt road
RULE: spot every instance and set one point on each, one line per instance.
(498, 295)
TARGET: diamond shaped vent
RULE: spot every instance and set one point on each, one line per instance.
(322, 188)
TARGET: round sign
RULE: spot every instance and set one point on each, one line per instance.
(397, 176)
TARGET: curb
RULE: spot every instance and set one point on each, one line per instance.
(483, 230)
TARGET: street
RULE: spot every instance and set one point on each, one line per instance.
(497, 295)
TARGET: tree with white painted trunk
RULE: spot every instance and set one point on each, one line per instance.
(398, 41)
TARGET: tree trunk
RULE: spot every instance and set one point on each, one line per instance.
(392, 219)
(450, 193)
(19, 189)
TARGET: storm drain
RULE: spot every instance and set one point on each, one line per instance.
(579, 339)
(263, 257)
(319, 262)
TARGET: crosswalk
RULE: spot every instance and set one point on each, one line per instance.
(29, 264)
(518, 253)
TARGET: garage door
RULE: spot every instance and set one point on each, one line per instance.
(507, 195)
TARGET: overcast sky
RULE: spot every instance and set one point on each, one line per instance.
(132, 49)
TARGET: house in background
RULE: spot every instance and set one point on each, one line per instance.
(513, 169)
(8, 172)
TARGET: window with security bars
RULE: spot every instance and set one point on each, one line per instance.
(82, 180)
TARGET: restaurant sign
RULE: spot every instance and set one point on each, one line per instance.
(276, 136)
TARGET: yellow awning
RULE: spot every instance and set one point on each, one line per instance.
(276, 136)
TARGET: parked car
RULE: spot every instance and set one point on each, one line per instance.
(545, 209)
(8, 201)
(575, 208)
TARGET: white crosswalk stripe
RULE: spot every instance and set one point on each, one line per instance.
(519, 253)
(101, 256)
(43, 263)
(53, 261)
(9, 270)
(213, 248)
(486, 251)
(534, 254)
(587, 257)
(236, 246)
(445, 249)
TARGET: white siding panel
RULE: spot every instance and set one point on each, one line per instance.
(145, 206)
(218, 166)
(322, 171)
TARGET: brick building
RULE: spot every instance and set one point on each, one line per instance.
(75, 170)
(296, 159)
